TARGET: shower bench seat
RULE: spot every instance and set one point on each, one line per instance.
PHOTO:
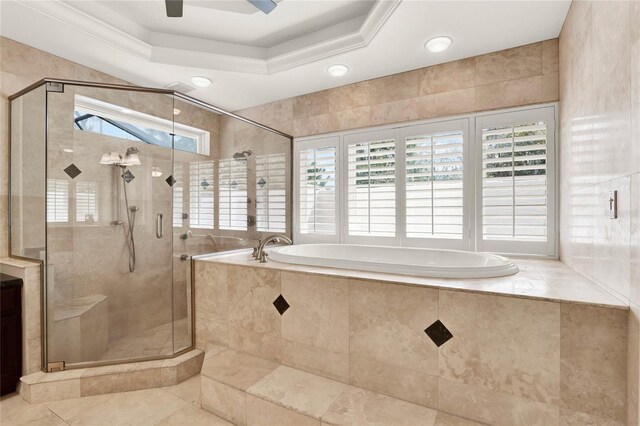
(248, 390)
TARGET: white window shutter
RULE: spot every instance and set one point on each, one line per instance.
(232, 178)
(516, 194)
(434, 185)
(86, 201)
(371, 187)
(201, 195)
(57, 201)
(317, 190)
(271, 200)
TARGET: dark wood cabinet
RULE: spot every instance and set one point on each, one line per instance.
(10, 333)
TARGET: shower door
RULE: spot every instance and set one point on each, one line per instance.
(109, 193)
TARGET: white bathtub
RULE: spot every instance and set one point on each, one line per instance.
(397, 260)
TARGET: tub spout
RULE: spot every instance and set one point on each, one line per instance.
(282, 239)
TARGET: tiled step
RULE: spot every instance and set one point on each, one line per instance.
(247, 390)
(44, 387)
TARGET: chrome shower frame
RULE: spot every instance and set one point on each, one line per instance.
(57, 85)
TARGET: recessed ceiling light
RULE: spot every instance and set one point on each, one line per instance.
(201, 81)
(438, 44)
(67, 150)
(126, 111)
(338, 70)
(176, 111)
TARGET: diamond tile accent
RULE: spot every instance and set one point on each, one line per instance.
(204, 184)
(262, 183)
(281, 304)
(128, 176)
(438, 333)
(73, 171)
(170, 180)
(234, 184)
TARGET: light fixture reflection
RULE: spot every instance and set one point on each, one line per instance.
(156, 172)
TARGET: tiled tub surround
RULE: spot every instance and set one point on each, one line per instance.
(544, 346)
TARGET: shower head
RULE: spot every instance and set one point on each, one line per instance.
(242, 155)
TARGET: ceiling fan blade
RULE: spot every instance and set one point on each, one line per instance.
(264, 5)
(174, 8)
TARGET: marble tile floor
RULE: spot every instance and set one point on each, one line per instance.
(156, 341)
(174, 405)
(177, 405)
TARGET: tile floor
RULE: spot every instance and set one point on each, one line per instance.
(174, 405)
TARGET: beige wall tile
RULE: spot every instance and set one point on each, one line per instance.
(224, 401)
(357, 406)
(448, 77)
(550, 90)
(444, 419)
(509, 64)
(319, 312)
(633, 365)
(447, 103)
(575, 418)
(334, 365)
(211, 293)
(251, 295)
(409, 385)
(394, 87)
(237, 369)
(387, 324)
(350, 118)
(550, 56)
(125, 382)
(524, 91)
(261, 412)
(312, 125)
(283, 386)
(503, 344)
(479, 403)
(593, 351)
(210, 331)
(393, 112)
(258, 344)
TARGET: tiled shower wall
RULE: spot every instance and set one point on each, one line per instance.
(600, 152)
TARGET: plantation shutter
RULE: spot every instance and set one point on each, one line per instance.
(86, 201)
(178, 196)
(271, 204)
(317, 190)
(371, 187)
(57, 200)
(233, 194)
(201, 202)
(434, 185)
(516, 194)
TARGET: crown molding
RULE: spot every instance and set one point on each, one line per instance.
(173, 49)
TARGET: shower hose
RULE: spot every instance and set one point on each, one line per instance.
(131, 221)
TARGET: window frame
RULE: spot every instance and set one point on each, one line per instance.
(316, 143)
(472, 182)
(547, 114)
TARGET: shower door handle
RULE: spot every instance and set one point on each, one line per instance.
(159, 225)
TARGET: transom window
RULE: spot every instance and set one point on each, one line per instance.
(481, 182)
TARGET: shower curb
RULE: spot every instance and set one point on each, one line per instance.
(45, 387)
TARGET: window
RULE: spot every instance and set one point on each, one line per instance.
(516, 195)
(57, 201)
(201, 204)
(482, 182)
(86, 202)
(178, 196)
(93, 115)
(316, 189)
(434, 181)
(371, 191)
(271, 193)
(233, 194)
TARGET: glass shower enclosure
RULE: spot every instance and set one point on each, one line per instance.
(115, 189)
